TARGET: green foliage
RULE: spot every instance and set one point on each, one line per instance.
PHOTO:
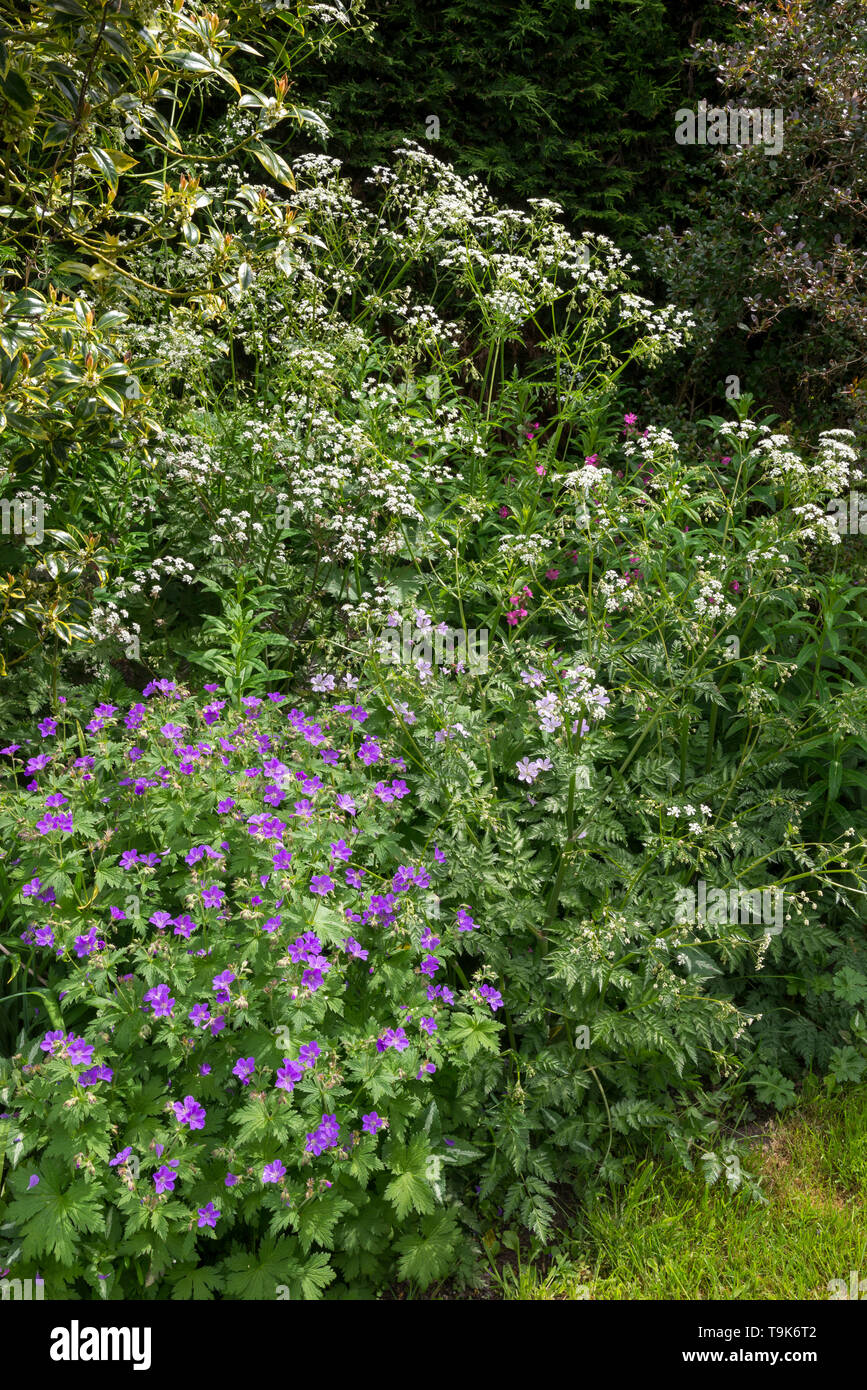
(772, 258)
(576, 104)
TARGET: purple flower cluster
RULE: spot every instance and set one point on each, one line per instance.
(158, 998)
(292, 1072)
(189, 1112)
(324, 817)
(393, 1037)
(74, 1049)
(326, 1135)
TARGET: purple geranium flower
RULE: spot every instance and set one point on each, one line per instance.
(158, 997)
(165, 1179)
(189, 1112)
(244, 1069)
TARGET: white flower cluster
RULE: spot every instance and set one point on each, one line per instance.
(585, 480)
(186, 457)
(108, 622)
(152, 579)
(689, 813)
(710, 600)
(817, 524)
(832, 471)
(655, 445)
(234, 528)
(617, 592)
(530, 550)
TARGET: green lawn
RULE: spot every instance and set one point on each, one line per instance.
(668, 1236)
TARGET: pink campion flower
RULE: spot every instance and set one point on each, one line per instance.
(592, 460)
(541, 470)
(727, 458)
(504, 512)
(552, 574)
(735, 587)
(630, 419)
